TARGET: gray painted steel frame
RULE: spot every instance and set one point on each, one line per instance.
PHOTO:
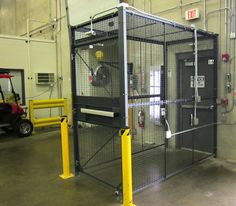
(123, 67)
(117, 105)
(120, 104)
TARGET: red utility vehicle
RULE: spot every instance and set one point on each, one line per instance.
(12, 115)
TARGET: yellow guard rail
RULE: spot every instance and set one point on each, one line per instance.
(44, 104)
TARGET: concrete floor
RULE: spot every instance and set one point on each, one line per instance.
(29, 170)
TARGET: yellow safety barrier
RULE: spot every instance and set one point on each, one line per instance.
(44, 104)
(65, 149)
(126, 167)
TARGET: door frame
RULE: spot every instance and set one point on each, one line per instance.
(190, 55)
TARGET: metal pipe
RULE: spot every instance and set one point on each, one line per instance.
(226, 15)
(167, 10)
(204, 7)
(232, 71)
(28, 54)
(38, 21)
(60, 49)
(195, 128)
(50, 9)
(44, 26)
(25, 39)
(154, 17)
(150, 6)
(40, 28)
(214, 11)
(226, 27)
(92, 18)
(181, 8)
(226, 31)
(196, 96)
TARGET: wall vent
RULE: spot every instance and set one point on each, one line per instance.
(45, 78)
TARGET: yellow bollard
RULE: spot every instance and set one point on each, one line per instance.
(65, 149)
(126, 167)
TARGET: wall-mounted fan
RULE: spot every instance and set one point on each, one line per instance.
(101, 76)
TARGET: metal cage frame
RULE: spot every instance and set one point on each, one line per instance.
(119, 105)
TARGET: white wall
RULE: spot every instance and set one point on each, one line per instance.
(7, 17)
(81, 11)
(50, 57)
(41, 58)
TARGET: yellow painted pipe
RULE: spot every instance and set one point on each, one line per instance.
(42, 122)
(127, 167)
(65, 149)
(65, 111)
(43, 104)
(48, 101)
(31, 112)
(48, 119)
(46, 124)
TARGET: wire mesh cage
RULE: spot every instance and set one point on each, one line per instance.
(157, 77)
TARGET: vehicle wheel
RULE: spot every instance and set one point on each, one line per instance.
(23, 128)
(7, 129)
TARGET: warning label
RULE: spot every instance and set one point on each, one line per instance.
(200, 81)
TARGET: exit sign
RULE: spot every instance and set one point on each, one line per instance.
(192, 14)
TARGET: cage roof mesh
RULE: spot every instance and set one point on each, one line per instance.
(139, 28)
